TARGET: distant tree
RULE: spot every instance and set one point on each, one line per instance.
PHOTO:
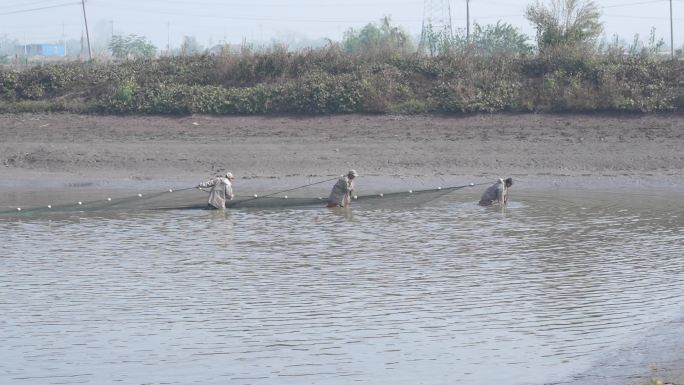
(434, 41)
(377, 38)
(131, 47)
(190, 46)
(7, 45)
(501, 38)
(566, 23)
(638, 47)
(646, 50)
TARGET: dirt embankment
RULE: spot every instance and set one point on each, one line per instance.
(540, 149)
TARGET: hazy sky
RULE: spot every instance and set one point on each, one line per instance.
(215, 21)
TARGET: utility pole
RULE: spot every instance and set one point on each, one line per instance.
(168, 38)
(64, 40)
(671, 33)
(468, 20)
(85, 19)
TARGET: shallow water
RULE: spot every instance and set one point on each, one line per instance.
(447, 293)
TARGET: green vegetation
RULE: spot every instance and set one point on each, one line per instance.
(566, 24)
(378, 39)
(498, 39)
(190, 46)
(331, 80)
(373, 70)
(131, 47)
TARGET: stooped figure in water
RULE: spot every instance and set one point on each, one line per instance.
(340, 196)
(221, 190)
(496, 194)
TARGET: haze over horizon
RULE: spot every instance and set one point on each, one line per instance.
(296, 22)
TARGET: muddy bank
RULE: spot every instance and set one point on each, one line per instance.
(540, 149)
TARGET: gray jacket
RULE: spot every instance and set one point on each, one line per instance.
(495, 194)
(221, 190)
(341, 192)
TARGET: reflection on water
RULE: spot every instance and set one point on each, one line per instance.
(450, 293)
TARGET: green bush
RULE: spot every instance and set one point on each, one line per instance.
(332, 81)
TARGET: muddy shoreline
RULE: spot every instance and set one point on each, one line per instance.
(604, 151)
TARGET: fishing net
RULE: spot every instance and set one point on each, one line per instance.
(169, 199)
(191, 198)
(395, 199)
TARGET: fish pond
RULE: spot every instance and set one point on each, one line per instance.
(442, 293)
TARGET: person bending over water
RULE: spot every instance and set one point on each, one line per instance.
(496, 194)
(340, 196)
(221, 190)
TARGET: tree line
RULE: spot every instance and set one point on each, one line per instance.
(374, 69)
(560, 25)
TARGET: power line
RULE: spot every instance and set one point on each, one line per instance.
(7, 4)
(497, 3)
(632, 4)
(494, 17)
(39, 9)
(143, 12)
(270, 5)
(501, 4)
(34, 27)
(25, 4)
(644, 18)
(215, 16)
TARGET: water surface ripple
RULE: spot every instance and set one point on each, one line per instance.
(448, 293)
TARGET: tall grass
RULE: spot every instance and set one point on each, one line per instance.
(332, 81)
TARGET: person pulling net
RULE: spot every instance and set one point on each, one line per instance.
(221, 190)
(496, 194)
(341, 193)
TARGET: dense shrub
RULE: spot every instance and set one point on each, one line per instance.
(332, 81)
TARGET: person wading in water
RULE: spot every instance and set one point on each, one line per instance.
(340, 196)
(221, 190)
(496, 194)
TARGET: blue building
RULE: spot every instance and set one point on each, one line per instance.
(48, 50)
